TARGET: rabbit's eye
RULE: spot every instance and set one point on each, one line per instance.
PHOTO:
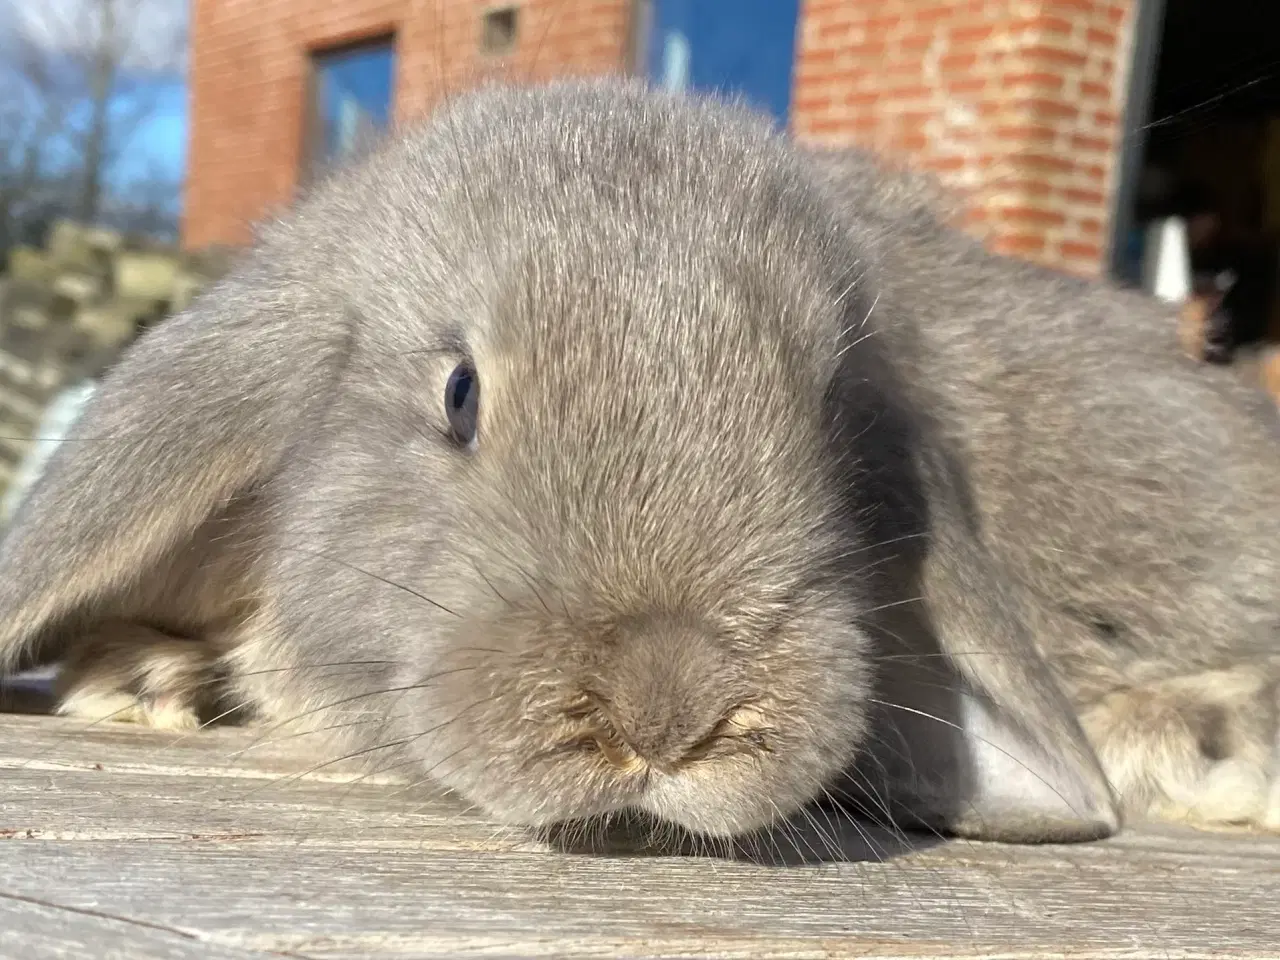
(462, 403)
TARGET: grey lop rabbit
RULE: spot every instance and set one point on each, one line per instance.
(590, 448)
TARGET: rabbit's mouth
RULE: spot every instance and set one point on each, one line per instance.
(737, 781)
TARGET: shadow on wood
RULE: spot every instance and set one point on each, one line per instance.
(820, 834)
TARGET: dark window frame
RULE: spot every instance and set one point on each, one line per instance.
(315, 160)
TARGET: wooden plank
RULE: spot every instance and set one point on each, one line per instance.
(37, 931)
(155, 844)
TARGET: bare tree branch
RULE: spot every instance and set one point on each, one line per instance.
(78, 80)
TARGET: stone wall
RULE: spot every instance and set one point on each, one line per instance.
(69, 309)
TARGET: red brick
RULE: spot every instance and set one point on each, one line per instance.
(907, 93)
(1080, 251)
(1049, 24)
(965, 84)
(817, 58)
(914, 119)
(971, 34)
(928, 15)
(882, 24)
(1071, 7)
(1044, 108)
(1032, 216)
(1019, 244)
(863, 98)
(958, 62)
(1096, 144)
(1038, 160)
(813, 104)
(829, 79)
(1038, 134)
(1035, 78)
(825, 125)
(835, 30)
(916, 42)
(867, 50)
(1090, 198)
(1045, 54)
(909, 143)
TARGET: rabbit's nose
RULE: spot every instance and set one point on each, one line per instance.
(666, 697)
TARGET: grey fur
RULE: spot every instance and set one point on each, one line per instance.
(772, 495)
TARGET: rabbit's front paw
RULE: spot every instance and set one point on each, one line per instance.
(1201, 749)
(1232, 793)
(131, 673)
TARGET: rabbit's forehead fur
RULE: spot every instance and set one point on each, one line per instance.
(652, 308)
(651, 515)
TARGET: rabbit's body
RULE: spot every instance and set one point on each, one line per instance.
(152, 655)
(769, 483)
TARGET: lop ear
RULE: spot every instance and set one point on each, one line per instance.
(971, 733)
(202, 406)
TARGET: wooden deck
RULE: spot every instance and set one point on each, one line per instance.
(121, 842)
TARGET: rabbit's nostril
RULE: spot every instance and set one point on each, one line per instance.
(597, 734)
(620, 756)
(745, 729)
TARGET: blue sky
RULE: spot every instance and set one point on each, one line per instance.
(159, 145)
(161, 141)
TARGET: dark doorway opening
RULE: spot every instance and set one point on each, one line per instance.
(1203, 144)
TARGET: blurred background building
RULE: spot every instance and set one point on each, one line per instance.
(1065, 122)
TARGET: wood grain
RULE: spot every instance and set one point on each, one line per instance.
(132, 843)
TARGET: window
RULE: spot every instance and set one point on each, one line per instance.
(350, 100)
(728, 47)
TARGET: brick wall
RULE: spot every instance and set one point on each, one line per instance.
(1014, 103)
(249, 76)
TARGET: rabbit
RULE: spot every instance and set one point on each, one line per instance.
(590, 448)
(1132, 497)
